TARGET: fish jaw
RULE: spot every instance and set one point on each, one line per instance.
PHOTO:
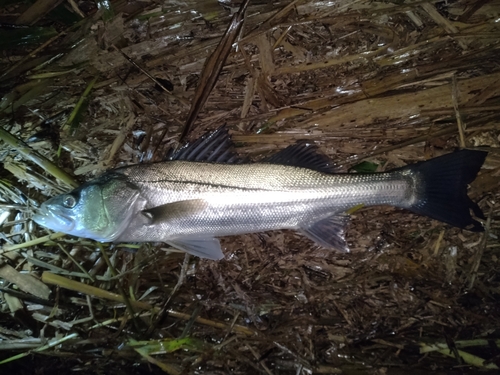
(51, 218)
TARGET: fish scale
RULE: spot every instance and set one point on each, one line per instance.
(205, 191)
(254, 197)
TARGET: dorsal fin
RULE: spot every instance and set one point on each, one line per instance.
(214, 146)
(303, 154)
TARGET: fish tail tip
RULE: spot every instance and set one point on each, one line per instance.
(442, 189)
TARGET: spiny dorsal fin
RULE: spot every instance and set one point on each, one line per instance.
(214, 146)
(305, 155)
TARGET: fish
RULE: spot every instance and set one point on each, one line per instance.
(205, 190)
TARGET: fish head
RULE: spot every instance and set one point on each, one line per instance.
(100, 209)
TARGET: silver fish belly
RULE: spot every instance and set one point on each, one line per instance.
(204, 192)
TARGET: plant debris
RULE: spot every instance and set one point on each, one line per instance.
(88, 86)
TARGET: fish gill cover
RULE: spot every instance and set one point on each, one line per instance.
(117, 83)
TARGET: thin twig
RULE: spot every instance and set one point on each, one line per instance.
(454, 96)
(480, 250)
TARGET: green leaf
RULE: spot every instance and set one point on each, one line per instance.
(165, 346)
(365, 167)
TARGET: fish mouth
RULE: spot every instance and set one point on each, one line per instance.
(39, 218)
(53, 219)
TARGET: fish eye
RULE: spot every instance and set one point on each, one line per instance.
(69, 201)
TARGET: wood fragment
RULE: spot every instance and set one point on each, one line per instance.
(213, 67)
(25, 282)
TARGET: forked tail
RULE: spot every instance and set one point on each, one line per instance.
(442, 188)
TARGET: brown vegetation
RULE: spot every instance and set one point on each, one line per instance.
(91, 88)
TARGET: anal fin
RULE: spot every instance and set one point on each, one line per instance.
(208, 248)
(329, 232)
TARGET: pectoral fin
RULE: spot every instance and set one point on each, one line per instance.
(174, 210)
(329, 232)
(208, 248)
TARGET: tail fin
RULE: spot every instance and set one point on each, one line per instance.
(442, 188)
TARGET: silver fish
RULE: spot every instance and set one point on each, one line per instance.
(204, 192)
